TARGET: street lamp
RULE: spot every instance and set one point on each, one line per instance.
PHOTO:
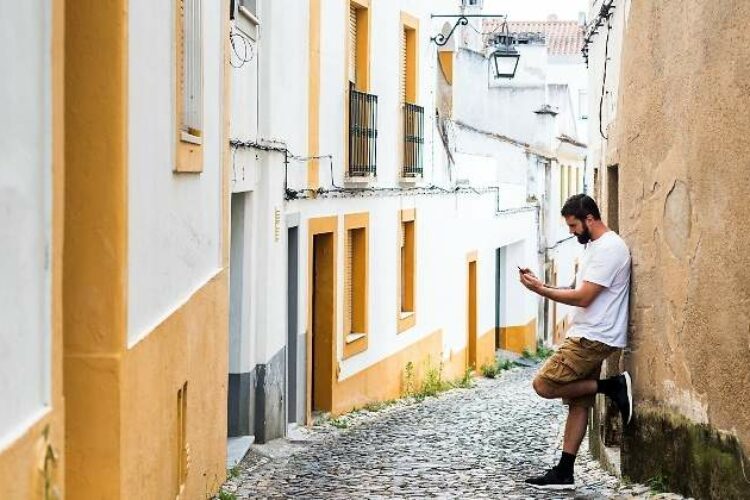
(505, 57)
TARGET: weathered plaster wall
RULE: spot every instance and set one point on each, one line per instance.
(681, 141)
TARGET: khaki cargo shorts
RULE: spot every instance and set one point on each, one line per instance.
(577, 358)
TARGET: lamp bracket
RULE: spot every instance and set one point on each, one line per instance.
(463, 19)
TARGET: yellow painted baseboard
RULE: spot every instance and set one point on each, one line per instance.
(385, 379)
(22, 462)
(518, 338)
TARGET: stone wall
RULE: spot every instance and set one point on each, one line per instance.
(680, 143)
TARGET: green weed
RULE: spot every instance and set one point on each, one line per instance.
(225, 495)
(658, 483)
(490, 370)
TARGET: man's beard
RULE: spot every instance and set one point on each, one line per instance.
(585, 236)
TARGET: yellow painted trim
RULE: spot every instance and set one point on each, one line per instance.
(190, 346)
(189, 156)
(385, 379)
(95, 258)
(407, 319)
(472, 302)
(316, 226)
(359, 221)
(486, 348)
(520, 337)
(364, 20)
(446, 63)
(313, 115)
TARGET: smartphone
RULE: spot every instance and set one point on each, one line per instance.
(522, 271)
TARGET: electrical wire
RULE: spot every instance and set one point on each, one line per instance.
(248, 48)
(604, 78)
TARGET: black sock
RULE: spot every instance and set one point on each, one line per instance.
(566, 463)
(606, 386)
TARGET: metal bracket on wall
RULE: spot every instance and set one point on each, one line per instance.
(463, 19)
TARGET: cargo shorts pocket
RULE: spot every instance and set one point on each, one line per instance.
(557, 370)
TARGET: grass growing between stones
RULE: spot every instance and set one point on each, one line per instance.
(658, 483)
(225, 495)
(433, 382)
(234, 471)
(492, 370)
(540, 354)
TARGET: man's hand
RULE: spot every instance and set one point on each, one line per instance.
(530, 281)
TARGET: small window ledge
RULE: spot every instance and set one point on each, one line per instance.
(353, 337)
(406, 320)
(190, 138)
(360, 180)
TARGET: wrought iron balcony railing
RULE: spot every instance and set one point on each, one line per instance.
(363, 133)
(413, 140)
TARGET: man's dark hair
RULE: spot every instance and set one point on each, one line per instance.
(581, 206)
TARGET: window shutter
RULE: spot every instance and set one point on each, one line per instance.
(348, 292)
(352, 43)
(191, 79)
(181, 61)
(403, 65)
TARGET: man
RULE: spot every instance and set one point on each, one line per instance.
(598, 328)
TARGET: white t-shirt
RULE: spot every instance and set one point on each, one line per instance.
(606, 262)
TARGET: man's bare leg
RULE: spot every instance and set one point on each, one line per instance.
(572, 390)
(575, 428)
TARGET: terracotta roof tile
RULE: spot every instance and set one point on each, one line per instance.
(562, 37)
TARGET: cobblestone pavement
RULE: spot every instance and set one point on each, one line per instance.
(468, 443)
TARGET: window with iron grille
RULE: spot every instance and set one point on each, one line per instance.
(363, 133)
(413, 115)
(413, 139)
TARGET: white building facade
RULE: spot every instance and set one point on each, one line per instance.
(382, 199)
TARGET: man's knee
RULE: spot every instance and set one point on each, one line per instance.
(543, 388)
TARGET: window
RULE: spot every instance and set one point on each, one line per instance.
(247, 18)
(580, 181)
(189, 102)
(613, 198)
(358, 45)
(572, 179)
(409, 58)
(362, 118)
(407, 266)
(583, 104)
(413, 114)
(355, 283)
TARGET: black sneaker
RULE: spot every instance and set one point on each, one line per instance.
(622, 396)
(554, 479)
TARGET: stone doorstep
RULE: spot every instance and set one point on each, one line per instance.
(237, 448)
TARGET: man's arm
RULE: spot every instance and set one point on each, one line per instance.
(582, 296)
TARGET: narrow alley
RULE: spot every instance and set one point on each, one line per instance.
(467, 443)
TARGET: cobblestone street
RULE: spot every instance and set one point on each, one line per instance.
(468, 443)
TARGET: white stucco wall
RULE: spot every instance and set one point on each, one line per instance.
(607, 103)
(174, 220)
(25, 215)
(571, 71)
(448, 228)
